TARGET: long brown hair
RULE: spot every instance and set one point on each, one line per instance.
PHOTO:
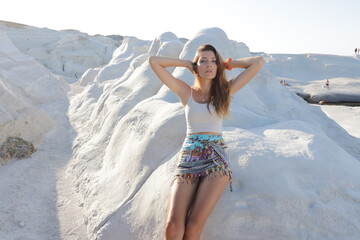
(220, 88)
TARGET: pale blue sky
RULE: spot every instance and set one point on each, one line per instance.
(271, 26)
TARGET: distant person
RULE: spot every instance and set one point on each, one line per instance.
(284, 83)
(327, 84)
(356, 50)
(203, 169)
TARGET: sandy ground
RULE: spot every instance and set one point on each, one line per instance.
(72, 223)
(38, 200)
(69, 204)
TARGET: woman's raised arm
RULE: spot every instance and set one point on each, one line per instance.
(159, 65)
(252, 65)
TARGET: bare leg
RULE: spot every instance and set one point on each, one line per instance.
(208, 194)
(181, 197)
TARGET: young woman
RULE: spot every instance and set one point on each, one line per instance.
(203, 169)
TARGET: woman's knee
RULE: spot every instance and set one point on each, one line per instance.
(174, 229)
(193, 229)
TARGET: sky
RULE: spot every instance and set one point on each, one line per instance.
(271, 26)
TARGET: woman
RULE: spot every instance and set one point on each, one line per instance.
(203, 170)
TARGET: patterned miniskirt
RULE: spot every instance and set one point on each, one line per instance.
(201, 157)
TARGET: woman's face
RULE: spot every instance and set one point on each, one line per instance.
(206, 65)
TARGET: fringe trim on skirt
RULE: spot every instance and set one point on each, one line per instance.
(202, 157)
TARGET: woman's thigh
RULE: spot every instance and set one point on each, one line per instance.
(181, 197)
(208, 194)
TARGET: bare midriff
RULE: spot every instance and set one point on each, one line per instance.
(206, 133)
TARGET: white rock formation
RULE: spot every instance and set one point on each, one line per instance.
(33, 106)
(342, 72)
(287, 157)
(68, 53)
(295, 170)
(25, 88)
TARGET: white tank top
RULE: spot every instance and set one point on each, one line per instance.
(199, 119)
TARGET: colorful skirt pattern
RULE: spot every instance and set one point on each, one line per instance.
(203, 156)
